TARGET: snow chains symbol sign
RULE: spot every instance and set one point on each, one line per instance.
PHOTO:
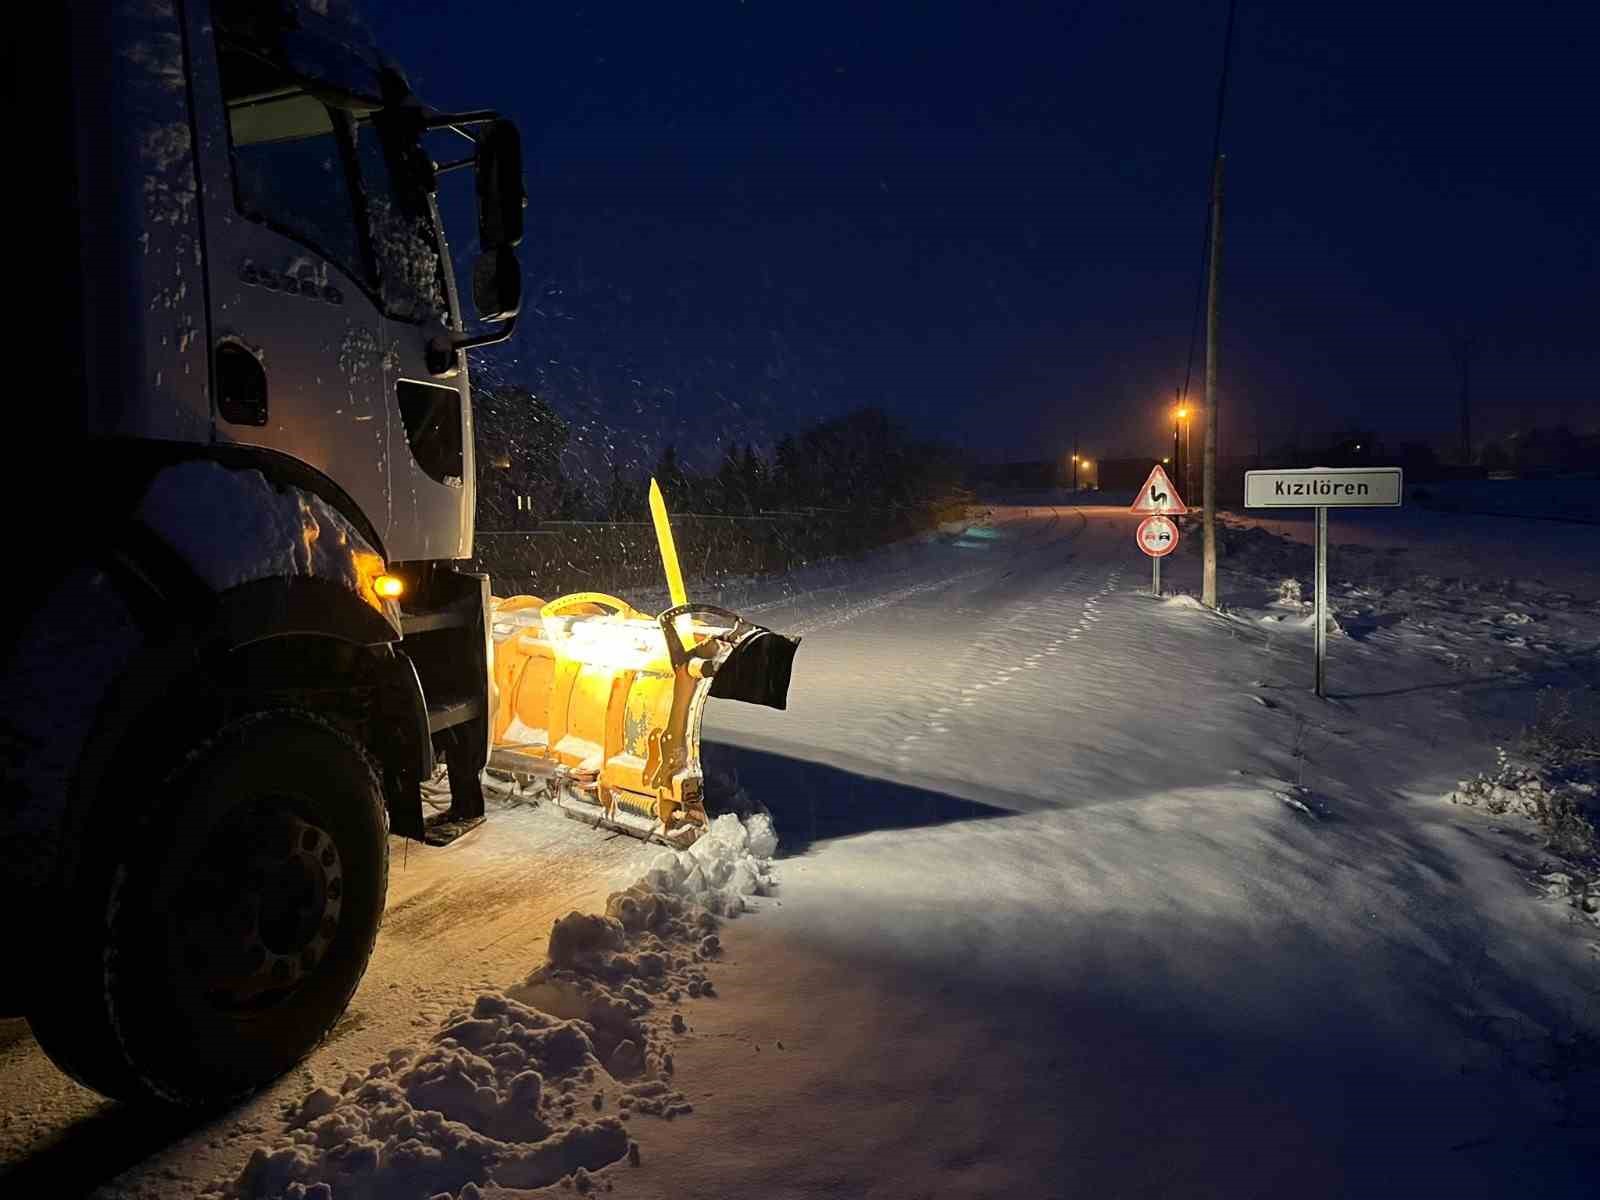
(1157, 536)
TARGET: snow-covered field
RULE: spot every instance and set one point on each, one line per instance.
(1079, 893)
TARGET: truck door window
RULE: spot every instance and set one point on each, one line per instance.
(400, 223)
(288, 165)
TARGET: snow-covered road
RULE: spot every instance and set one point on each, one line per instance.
(1085, 895)
(1162, 923)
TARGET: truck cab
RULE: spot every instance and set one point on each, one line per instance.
(245, 637)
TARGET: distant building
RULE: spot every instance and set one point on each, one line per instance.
(1544, 453)
(1346, 448)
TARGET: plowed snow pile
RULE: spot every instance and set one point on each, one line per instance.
(534, 1083)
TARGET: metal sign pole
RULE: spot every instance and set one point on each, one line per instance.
(1333, 487)
(1155, 577)
(1322, 601)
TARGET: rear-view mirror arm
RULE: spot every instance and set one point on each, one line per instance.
(444, 351)
(446, 120)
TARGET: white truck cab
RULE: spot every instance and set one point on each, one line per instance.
(245, 637)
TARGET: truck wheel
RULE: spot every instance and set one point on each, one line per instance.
(231, 928)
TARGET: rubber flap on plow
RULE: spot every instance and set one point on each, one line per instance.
(757, 669)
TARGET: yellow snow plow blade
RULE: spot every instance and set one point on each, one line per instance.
(602, 703)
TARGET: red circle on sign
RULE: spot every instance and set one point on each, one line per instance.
(1157, 536)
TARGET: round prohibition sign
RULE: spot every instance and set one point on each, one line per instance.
(1157, 536)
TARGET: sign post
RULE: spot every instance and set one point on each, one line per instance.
(1157, 536)
(1322, 488)
(1321, 605)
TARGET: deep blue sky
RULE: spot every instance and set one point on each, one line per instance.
(987, 217)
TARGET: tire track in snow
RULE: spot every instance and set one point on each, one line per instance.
(1031, 619)
(854, 611)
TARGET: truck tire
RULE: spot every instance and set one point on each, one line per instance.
(226, 934)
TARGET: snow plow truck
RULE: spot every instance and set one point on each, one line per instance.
(244, 638)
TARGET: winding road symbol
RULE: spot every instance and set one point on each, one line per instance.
(1158, 496)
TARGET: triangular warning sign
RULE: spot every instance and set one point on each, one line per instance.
(1158, 495)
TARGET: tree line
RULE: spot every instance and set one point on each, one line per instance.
(863, 464)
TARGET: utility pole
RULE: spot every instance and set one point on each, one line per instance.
(1465, 353)
(1208, 578)
(1188, 453)
(1074, 462)
(1177, 452)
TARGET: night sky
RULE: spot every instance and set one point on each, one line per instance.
(987, 217)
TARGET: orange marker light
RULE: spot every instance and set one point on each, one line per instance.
(389, 586)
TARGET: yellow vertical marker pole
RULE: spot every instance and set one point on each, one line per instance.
(669, 556)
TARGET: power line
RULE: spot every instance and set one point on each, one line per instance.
(1205, 239)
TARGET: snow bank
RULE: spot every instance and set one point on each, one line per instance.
(1559, 803)
(494, 1094)
(1503, 619)
(510, 1092)
(731, 861)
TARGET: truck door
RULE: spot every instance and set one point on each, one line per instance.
(431, 468)
(298, 341)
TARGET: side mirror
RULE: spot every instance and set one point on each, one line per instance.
(501, 197)
(497, 284)
(496, 274)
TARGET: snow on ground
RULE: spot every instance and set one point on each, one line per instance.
(1164, 923)
(535, 1083)
(1083, 893)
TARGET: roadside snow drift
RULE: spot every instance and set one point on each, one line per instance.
(535, 1083)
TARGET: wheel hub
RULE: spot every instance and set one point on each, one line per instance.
(262, 909)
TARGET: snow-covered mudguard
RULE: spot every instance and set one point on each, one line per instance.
(283, 563)
(236, 527)
(217, 571)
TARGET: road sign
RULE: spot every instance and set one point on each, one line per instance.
(1158, 496)
(1157, 536)
(1324, 487)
